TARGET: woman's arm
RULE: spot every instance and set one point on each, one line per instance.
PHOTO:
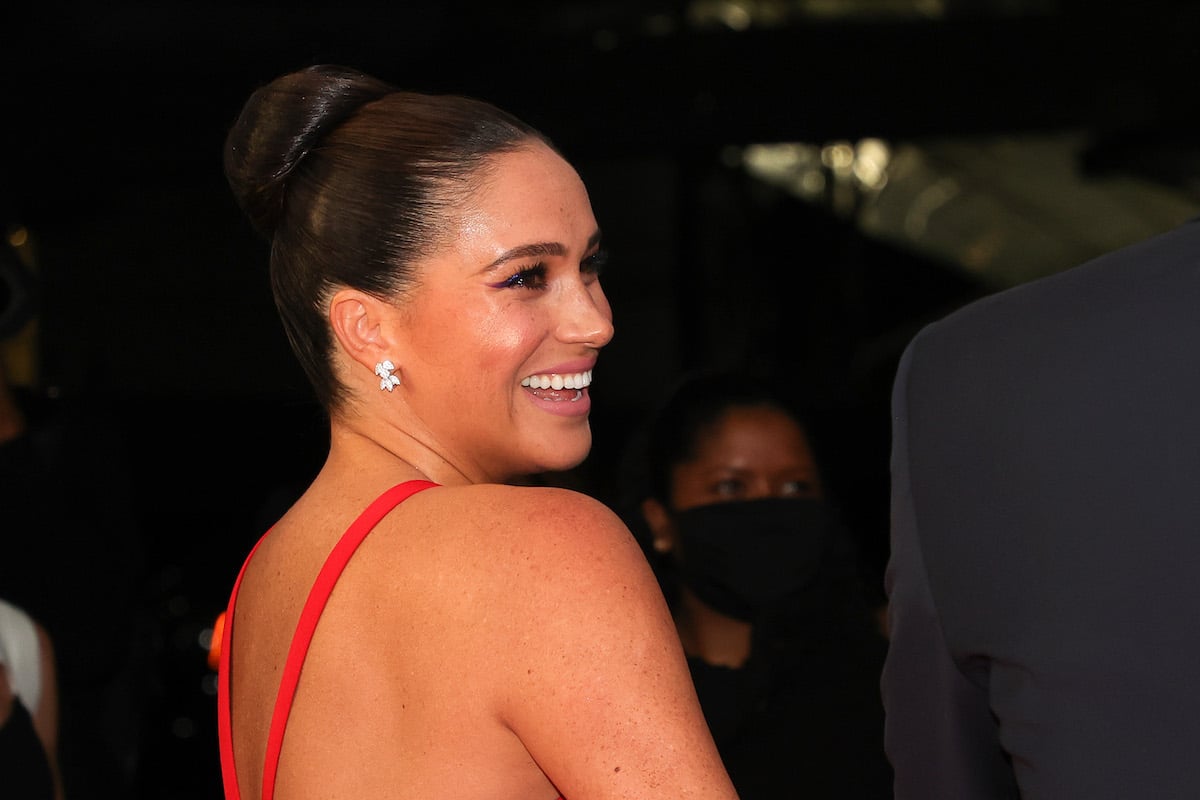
(600, 693)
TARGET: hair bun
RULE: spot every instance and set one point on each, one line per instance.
(279, 124)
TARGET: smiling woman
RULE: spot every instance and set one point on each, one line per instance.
(404, 630)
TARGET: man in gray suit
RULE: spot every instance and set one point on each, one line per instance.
(1044, 582)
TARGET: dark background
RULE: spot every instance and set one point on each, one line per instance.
(155, 321)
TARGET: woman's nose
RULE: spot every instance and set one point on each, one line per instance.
(586, 316)
(759, 490)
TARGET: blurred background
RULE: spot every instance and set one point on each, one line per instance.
(798, 185)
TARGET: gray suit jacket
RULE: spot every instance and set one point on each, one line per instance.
(1044, 580)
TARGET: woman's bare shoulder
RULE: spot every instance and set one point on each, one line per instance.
(574, 648)
(505, 498)
(560, 562)
(515, 579)
(540, 525)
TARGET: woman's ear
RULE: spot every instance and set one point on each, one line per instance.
(358, 321)
(661, 527)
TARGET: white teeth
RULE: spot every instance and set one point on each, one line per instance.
(555, 381)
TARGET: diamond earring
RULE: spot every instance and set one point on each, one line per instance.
(387, 380)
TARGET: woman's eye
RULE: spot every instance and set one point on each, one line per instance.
(528, 278)
(797, 489)
(595, 263)
(728, 488)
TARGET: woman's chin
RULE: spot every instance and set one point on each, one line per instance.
(566, 458)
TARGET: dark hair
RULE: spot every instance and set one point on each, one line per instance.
(672, 434)
(352, 181)
(675, 430)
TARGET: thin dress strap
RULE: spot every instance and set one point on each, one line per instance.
(309, 616)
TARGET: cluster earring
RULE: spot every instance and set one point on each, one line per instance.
(387, 380)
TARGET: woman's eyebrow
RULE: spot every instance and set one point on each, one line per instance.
(538, 250)
(535, 250)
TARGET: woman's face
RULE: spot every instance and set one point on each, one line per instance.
(513, 302)
(749, 453)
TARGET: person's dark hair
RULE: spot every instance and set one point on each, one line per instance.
(672, 433)
(677, 427)
(352, 181)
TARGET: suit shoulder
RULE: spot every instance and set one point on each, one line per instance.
(1147, 277)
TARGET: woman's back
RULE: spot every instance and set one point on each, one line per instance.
(451, 641)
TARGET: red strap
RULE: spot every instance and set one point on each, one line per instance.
(224, 708)
(309, 616)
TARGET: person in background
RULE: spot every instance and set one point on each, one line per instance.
(73, 557)
(29, 767)
(764, 588)
(1044, 610)
(430, 629)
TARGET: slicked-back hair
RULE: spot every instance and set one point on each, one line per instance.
(353, 181)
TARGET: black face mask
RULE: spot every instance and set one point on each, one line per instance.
(748, 559)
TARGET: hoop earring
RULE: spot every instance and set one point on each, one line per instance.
(387, 380)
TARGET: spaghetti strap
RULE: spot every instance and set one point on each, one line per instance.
(305, 628)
